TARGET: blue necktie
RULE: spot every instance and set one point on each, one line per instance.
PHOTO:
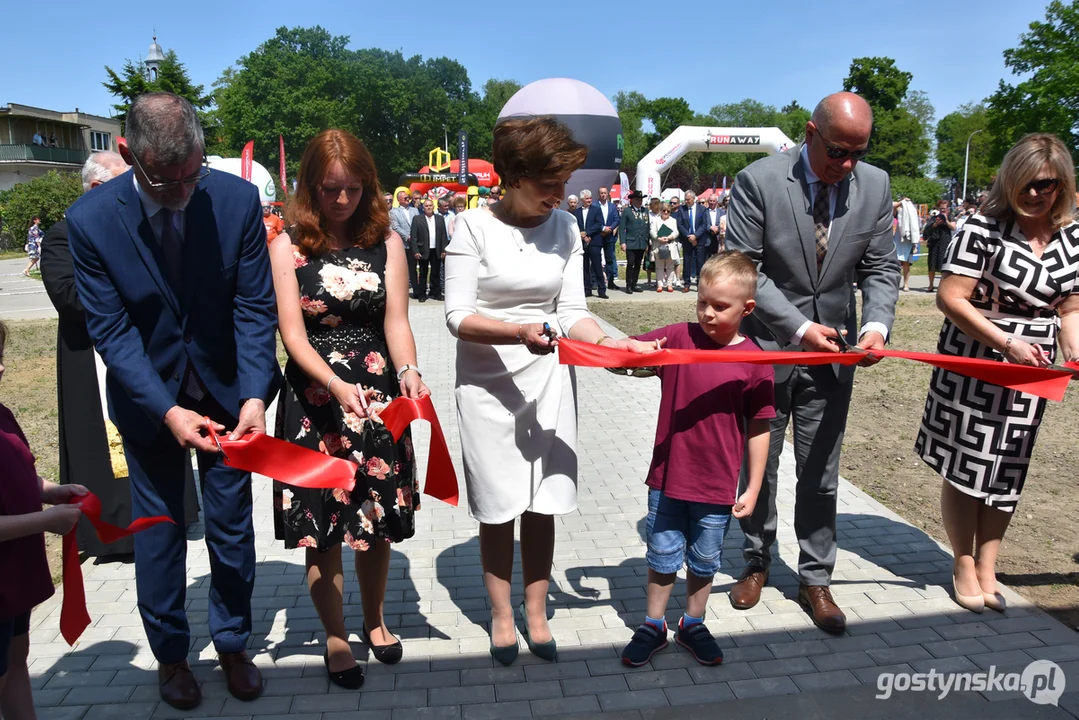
(172, 244)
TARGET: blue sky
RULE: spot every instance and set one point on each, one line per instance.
(772, 51)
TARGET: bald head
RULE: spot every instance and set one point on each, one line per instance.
(837, 136)
(101, 167)
(843, 110)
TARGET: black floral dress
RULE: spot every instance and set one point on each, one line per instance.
(343, 298)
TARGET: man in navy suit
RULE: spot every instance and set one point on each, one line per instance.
(609, 233)
(691, 229)
(172, 269)
(590, 223)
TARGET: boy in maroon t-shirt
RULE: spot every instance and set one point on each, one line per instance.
(708, 414)
(23, 566)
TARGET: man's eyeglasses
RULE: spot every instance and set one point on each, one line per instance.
(1045, 186)
(190, 180)
(837, 153)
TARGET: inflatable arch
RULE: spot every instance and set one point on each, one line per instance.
(705, 139)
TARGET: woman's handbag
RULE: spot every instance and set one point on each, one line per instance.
(664, 252)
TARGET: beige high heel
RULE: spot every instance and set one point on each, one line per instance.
(974, 603)
(995, 601)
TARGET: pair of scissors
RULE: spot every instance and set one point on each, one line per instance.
(549, 332)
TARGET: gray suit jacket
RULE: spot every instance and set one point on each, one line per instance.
(401, 221)
(770, 219)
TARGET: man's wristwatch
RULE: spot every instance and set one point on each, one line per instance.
(406, 368)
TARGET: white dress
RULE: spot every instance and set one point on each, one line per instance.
(517, 411)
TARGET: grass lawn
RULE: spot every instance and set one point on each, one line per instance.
(12, 254)
(1038, 557)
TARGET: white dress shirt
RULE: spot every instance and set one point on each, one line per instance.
(833, 194)
(431, 233)
(603, 209)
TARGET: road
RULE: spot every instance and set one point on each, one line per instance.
(22, 298)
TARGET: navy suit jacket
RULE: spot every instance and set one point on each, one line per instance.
(223, 323)
(684, 230)
(594, 223)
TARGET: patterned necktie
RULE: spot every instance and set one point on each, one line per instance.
(821, 220)
(172, 244)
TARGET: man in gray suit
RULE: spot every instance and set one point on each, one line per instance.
(401, 223)
(815, 221)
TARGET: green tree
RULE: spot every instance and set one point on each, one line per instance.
(1048, 99)
(172, 77)
(744, 113)
(47, 196)
(953, 131)
(632, 108)
(304, 80)
(922, 191)
(902, 121)
(879, 81)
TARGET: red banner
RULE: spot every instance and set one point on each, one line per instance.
(278, 459)
(246, 158)
(284, 183)
(1044, 382)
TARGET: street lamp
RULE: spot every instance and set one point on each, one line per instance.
(966, 163)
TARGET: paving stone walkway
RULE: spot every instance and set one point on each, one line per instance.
(890, 578)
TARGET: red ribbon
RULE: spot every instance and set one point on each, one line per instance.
(279, 459)
(1042, 382)
(73, 615)
(301, 467)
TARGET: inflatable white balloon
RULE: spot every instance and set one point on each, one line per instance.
(585, 111)
(260, 177)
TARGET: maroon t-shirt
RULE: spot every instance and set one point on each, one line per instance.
(26, 581)
(703, 415)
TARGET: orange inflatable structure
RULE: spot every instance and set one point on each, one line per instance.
(483, 170)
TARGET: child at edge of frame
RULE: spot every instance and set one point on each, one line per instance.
(23, 563)
(712, 416)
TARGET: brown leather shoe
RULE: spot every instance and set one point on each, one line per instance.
(178, 686)
(747, 591)
(817, 600)
(241, 675)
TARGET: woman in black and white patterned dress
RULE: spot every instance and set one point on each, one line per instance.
(1007, 291)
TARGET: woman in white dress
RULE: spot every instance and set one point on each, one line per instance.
(511, 269)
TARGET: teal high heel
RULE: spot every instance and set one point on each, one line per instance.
(545, 650)
(505, 655)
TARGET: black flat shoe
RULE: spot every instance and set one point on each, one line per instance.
(351, 679)
(385, 654)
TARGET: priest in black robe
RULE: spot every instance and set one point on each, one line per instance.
(91, 451)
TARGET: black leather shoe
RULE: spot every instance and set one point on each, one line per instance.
(385, 654)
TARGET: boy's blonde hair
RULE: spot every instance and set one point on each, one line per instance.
(733, 266)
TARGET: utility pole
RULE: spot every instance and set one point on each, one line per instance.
(966, 162)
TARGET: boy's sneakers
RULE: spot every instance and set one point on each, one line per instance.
(697, 640)
(646, 642)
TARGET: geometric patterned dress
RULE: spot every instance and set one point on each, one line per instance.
(343, 299)
(977, 435)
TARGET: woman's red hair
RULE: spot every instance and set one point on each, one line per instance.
(371, 221)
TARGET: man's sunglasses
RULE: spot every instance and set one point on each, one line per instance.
(837, 153)
(190, 180)
(1045, 186)
(637, 372)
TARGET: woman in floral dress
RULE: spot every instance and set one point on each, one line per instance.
(342, 294)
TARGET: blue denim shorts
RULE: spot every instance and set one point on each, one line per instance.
(685, 533)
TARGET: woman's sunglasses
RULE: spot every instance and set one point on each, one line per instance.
(1045, 186)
